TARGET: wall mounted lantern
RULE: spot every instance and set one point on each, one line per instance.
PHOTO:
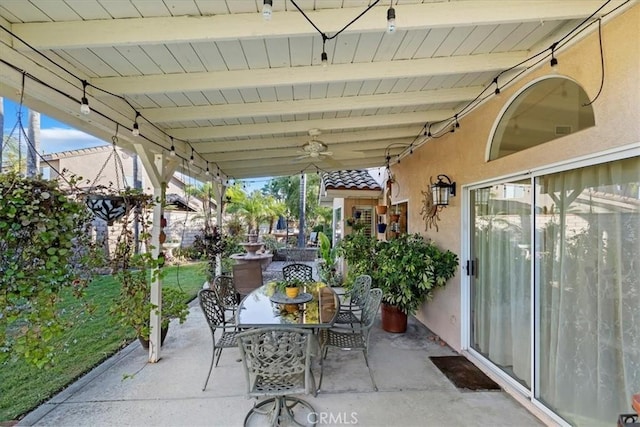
(442, 189)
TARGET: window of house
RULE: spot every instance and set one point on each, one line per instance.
(548, 109)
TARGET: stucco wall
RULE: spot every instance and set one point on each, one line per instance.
(461, 155)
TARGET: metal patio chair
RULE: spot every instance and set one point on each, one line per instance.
(214, 313)
(351, 311)
(277, 364)
(228, 297)
(298, 271)
(356, 338)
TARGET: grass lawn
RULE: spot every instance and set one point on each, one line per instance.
(23, 387)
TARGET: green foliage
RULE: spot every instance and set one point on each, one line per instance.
(329, 255)
(409, 268)
(24, 386)
(45, 248)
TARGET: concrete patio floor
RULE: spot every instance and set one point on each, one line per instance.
(126, 390)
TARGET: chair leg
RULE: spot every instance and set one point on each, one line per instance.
(219, 354)
(366, 360)
(213, 354)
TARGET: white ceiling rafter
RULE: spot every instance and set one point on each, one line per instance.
(244, 92)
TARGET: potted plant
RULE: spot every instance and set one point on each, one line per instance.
(291, 288)
(327, 268)
(132, 308)
(408, 269)
(135, 269)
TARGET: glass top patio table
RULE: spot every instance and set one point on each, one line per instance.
(257, 309)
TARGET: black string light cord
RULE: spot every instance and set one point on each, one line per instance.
(451, 123)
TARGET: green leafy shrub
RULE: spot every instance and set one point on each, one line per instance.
(45, 248)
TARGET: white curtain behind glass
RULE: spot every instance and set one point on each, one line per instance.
(502, 291)
(588, 238)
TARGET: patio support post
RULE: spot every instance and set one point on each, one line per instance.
(160, 170)
(219, 188)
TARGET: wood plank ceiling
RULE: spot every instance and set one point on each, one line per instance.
(243, 94)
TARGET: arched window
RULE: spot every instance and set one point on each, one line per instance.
(546, 110)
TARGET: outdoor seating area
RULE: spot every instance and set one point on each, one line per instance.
(411, 391)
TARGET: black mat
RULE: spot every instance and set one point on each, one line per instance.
(464, 374)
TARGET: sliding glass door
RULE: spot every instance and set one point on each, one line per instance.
(588, 234)
(501, 282)
(573, 285)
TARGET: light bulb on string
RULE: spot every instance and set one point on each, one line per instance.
(324, 58)
(267, 9)
(84, 103)
(497, 91)
(554, 60)
(192, 160)
(207, 172)
(172, 152)
(391, 20)
(136, 128)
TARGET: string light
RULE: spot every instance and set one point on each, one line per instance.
(495, 80)
(84, 105)
(391, 19)
(323, 57)
(457, 122)
(554, 60)
(429, 135)
(172, 153)
(267, 9)
(207, 172)
(136, 128)
(191, 159)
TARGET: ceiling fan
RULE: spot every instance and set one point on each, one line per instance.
(314, 149)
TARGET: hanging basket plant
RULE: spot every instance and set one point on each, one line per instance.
(112, 202)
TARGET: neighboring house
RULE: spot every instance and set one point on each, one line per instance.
(349, 192)
(546, 220)
(182, 211)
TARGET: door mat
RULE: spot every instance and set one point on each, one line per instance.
(464, 374)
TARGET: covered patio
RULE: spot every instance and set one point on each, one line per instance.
(127, 390)
(214, 90)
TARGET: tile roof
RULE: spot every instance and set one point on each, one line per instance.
(349, 180)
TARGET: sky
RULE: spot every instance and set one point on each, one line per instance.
(54, 136)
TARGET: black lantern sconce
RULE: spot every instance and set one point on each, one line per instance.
(442, 189)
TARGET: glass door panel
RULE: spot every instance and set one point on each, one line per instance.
(501, 283)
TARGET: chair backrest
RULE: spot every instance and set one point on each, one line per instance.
(277, 361)
(226, 291)
(247, 277)
(211, 308)
(360, 289)
(371, 306)
(302, 272)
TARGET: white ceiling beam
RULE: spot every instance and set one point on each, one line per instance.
(246, 26)
(258, 170)
(343, 139)
(307, 106)
(270, 77)
(304, 126)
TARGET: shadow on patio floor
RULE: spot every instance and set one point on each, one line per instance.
(128, 391)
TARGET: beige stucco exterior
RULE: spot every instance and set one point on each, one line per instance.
(462, 155)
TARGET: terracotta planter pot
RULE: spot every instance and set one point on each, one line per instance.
(381, 209)
(395, 217)
(393, 320)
